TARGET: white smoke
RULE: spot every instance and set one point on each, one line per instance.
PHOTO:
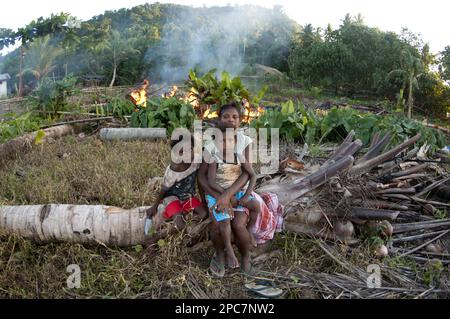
(207, 38)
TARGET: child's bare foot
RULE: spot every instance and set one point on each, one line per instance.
(247, 265)
(252, 239)
(232, 261)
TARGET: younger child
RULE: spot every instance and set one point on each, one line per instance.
(177, 195)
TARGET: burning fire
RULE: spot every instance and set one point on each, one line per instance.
(139, 96)
(191, 98)
(208, 114)
(250, 111)
(171, 93)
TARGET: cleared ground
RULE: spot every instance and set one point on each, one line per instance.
(87, 171)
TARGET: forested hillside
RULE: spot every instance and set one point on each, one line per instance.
(162, 42)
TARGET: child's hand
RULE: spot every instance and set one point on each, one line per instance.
(244, 200)
(223, 204)
(151, 211)
(234, 201)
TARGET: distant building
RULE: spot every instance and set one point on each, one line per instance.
(4, 84)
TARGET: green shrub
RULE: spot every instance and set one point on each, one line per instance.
(208, 90)
(24, 123)
(51, 96)
(289, 121)
(170, 113)
(306, 125)
(118, 107)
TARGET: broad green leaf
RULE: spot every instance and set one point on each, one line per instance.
(39, 137)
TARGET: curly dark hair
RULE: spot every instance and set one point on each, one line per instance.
(230, 106)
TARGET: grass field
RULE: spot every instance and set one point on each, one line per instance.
(88, 171)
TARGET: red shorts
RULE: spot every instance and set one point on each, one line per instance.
(177, 206)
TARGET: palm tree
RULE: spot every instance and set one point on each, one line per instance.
(36, 29)
(117, 49)
(410, 71)
(40, 58)
(309, 36)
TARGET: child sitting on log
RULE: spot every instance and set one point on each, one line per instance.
(222, 173)
(177, 195)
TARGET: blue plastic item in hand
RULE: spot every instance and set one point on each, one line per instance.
(148, 225)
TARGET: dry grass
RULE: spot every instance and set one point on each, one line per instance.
(84, 171)
(30, 270)
(88, 171)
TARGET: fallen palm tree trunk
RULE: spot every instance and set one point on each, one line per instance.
(96, 119)
(368, 165)
(75, 223)
(374, 214)
(130, 134)
(21, 143)
(316, 231)
(401, 228)
(85, 224)
(28, 139)
(290, 191)
(375, 149)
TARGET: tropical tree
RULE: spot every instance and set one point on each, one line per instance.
(91, 38)
(444, 64)
(410, 71)
(117, 49)
(41, 57)
(37, 28)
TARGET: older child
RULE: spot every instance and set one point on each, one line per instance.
(222, 173)
(177, 195)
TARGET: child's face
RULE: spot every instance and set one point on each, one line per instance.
(186, 153)
(230, 118)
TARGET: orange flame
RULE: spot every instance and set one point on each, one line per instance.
(251, 112)
(139, 96)
(208, 114)
(191, 98)
(204, 111)
(174, 91)
(171, 93)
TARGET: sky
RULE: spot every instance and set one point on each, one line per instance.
(428, 18)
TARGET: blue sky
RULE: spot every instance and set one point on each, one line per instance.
(429, 18)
